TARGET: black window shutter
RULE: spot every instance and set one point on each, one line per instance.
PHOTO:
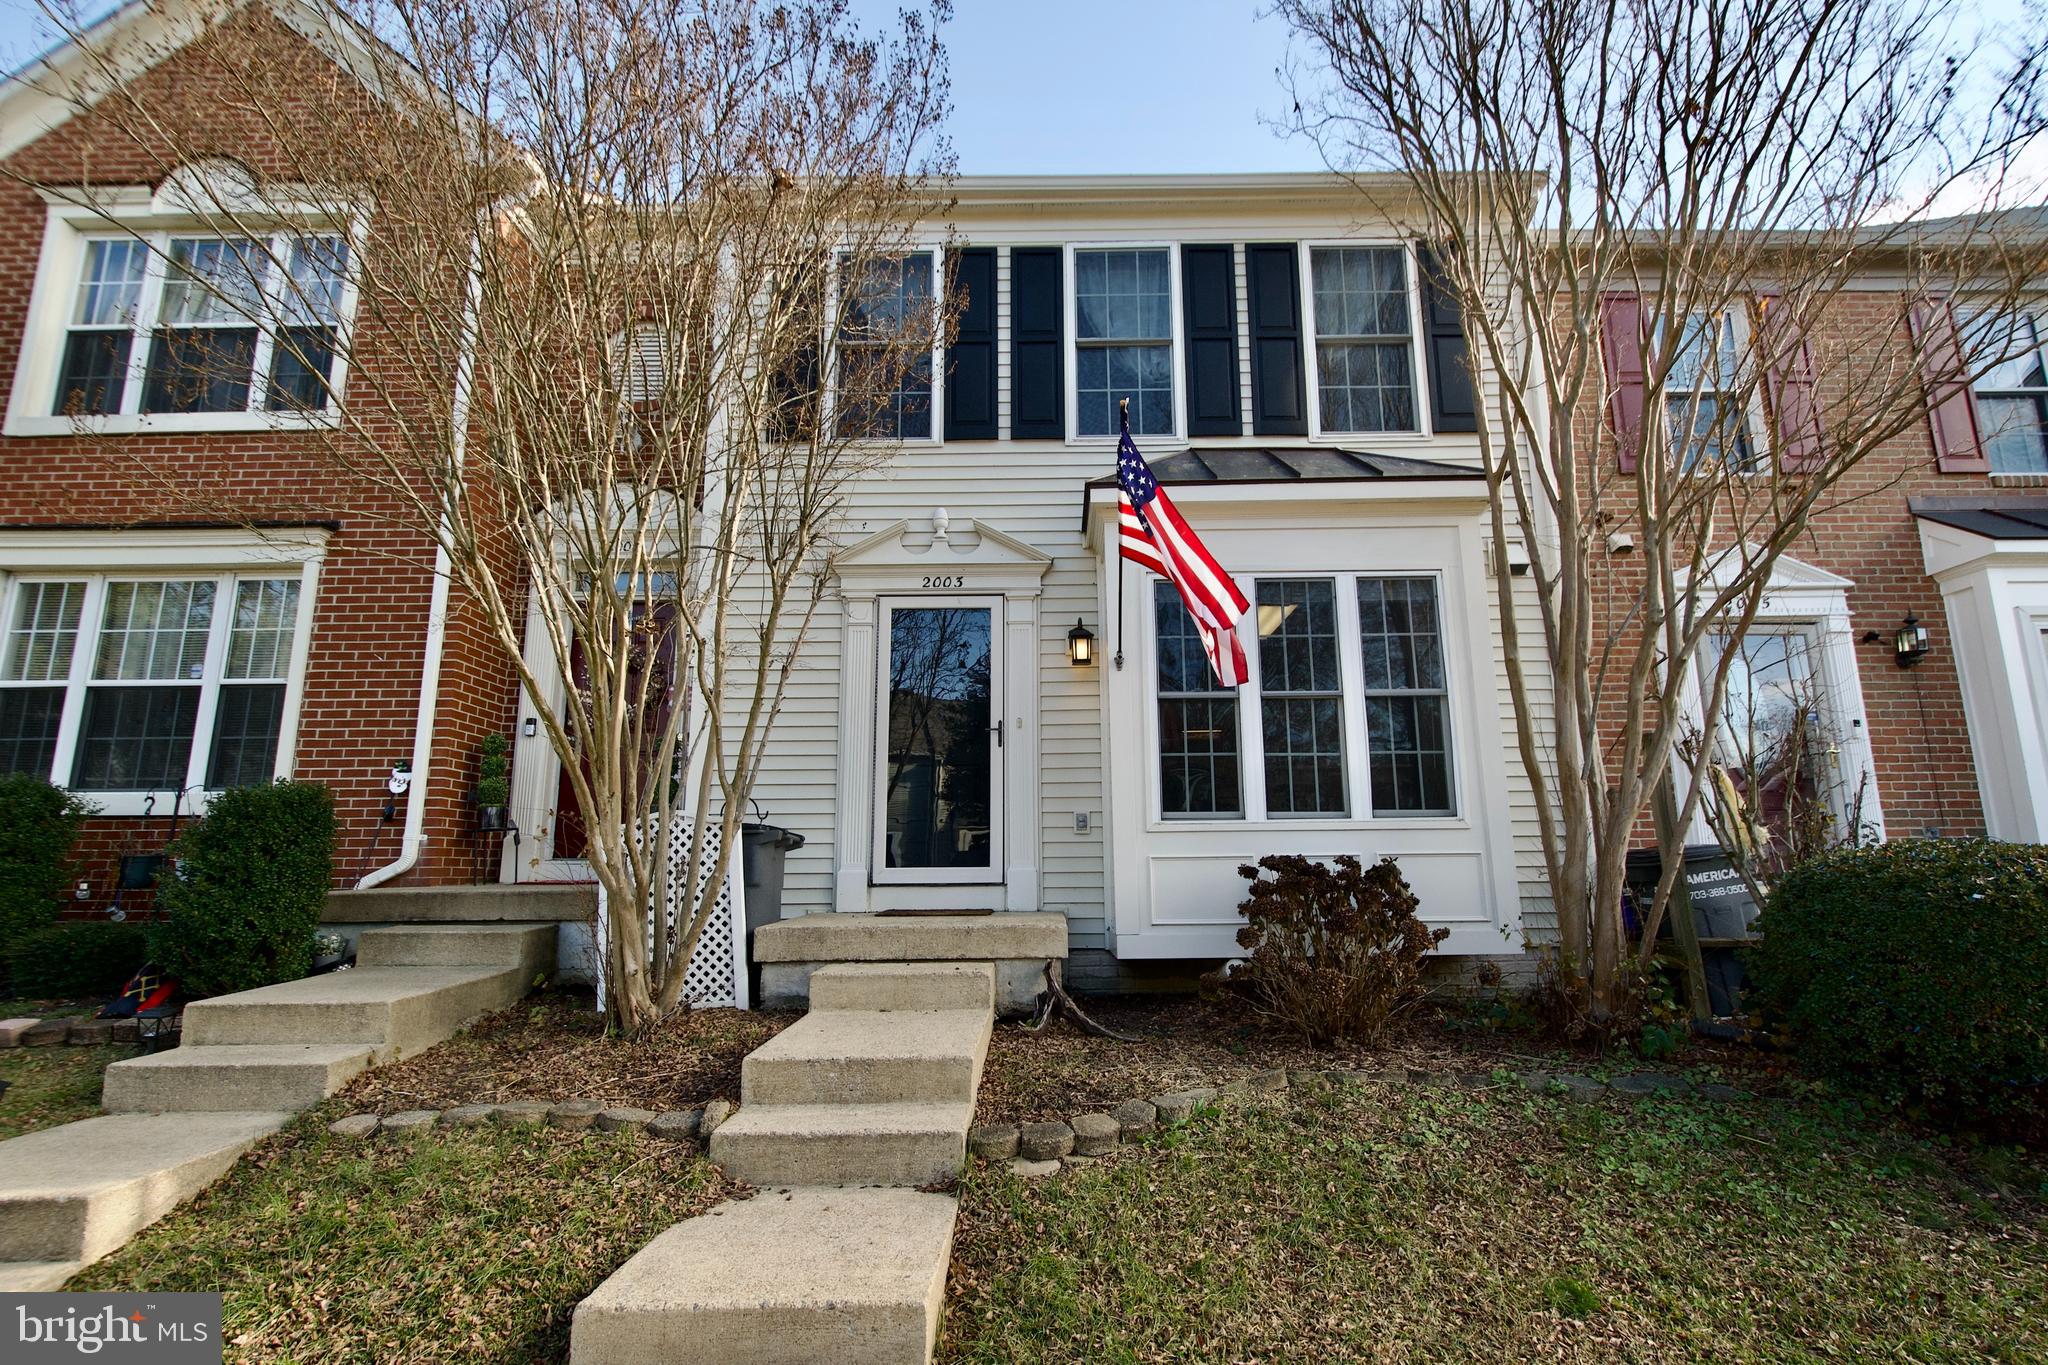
(971, 359)
(1208, 295)
(1273, 274)
(1453, 404)
(793, 385)
(1037, 348)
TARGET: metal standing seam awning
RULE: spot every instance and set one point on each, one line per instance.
(1208, 467)
(1994, 518)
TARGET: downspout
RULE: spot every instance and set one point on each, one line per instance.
(437, 607)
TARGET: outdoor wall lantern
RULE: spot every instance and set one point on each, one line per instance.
(1911, 641)
(1080, 646)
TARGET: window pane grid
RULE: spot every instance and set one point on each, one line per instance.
(890, 300)
(44, 632)
(1198, 754)
(1406, 697)
(260, 637)
(1365, 369)
(246, 723)
(1301, 699)
(1123, 334)
(136, 738)
(29, 719)
(1707, 421)
(2012, 392)
(154, 631)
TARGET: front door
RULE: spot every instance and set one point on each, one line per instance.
(939, 762)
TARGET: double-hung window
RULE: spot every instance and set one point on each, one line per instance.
(1365, 339)
(1123, 340)
(138, 683)
(1707, 419)
(170, 323)
(885, 376)
(1344, 662)
(2011, 387)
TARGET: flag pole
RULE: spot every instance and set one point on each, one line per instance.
(1123, 406)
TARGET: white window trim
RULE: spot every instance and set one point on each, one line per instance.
(828, 410)
(1418, 360)
(1979, 390)
(1070, 288)
(1803, 598)
(1351, 675)
(32, 556)
(135, 214)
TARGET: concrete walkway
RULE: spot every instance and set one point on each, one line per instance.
(840, 1257)
(70, 1195)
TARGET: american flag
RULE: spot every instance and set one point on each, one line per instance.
(1152, 533)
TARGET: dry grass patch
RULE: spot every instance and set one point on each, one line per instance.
(1392, 1223)
(458, 1244)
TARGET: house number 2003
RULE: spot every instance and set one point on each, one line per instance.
(945, 580)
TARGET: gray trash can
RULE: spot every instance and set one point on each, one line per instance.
(764, 850)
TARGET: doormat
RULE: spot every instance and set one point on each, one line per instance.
(922, 914)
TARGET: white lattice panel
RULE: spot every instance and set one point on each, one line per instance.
(715, 975)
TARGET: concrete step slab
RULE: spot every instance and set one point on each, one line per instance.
(844, 1144)
(854, 1277)
(870, 1057)
(831, 936)
(530, 902)
(78, 1191)
(397, 1010)
(36, 1277)
(528, 946)
(276, 1076)
(904, 986)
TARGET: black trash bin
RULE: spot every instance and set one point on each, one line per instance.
(1722, 908)
(764, 850)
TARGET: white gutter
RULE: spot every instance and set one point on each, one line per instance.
(437, 608)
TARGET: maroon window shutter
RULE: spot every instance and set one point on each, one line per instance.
(1621, 336)
(1951, 409)
(1788, 384)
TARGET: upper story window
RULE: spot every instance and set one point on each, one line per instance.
(1365, 339)
(2012, 392)
(1123, 340)
(1708, 419)
(173, 324)
(885, 384)
(132, 683)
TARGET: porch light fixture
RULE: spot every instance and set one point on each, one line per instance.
(1911, 641)
(1080, 646)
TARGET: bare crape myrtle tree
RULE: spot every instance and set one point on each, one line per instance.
(556, 304)
(1679, 237)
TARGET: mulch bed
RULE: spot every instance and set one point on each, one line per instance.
(553, 1046)
(1183, 1042)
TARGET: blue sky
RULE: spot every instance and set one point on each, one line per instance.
(1063, 86)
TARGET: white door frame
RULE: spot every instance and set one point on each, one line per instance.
(938, 876)
(937, 559)
(536, 770)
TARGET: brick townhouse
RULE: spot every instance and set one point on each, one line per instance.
(1296, 383)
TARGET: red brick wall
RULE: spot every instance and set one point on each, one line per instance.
(370, 614)
(1920, 746)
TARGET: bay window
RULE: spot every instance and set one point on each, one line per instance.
(1123, 340)
(1364, 339)
(171, 323)
(136, 683)
(1349, 694)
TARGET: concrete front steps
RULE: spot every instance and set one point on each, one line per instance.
(874, 1089)
(177, 1120)
(291, 1045)
(71, 1194)
(792, 952)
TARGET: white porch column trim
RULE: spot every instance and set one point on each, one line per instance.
(860, 668)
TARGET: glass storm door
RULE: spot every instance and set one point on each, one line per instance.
(938, 780)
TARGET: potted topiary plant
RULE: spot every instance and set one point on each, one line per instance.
(493, 782)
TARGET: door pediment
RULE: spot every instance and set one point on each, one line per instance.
(960, 555)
